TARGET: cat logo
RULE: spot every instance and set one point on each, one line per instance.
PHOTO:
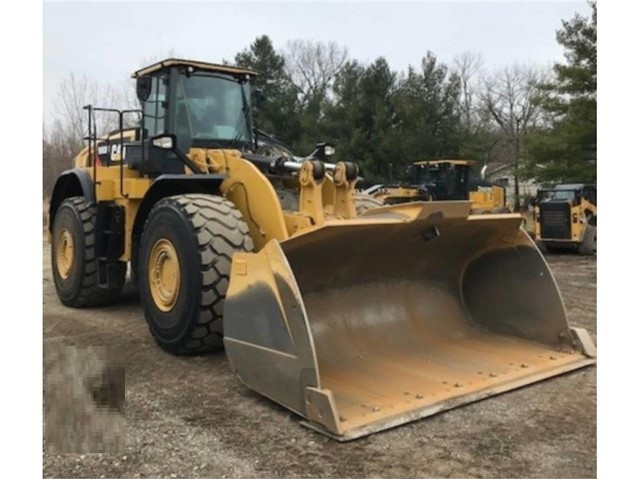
(115, 152)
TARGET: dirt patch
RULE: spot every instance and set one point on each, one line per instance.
(83, 399)
(190, 417)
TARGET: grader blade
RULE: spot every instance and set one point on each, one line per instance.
(409, 310)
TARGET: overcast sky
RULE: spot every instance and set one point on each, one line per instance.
(109, 40)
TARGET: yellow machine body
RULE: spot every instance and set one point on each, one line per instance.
(356, 323)
(321, 324)
(455, 186)
(488, 199)
(565, 217)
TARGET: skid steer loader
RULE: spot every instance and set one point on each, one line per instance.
(565, 218)
(356, 323)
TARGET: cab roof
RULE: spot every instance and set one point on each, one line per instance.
(573, 186)
(196, 65)
(442, 161)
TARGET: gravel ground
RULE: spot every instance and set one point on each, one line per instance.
(190, 417)
(84, 397)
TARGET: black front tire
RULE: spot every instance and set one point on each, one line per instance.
(202, 232)
(73, 259)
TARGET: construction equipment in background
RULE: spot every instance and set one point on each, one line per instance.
(444, 180)
(565, 217)
(487, 197)
(356, 323)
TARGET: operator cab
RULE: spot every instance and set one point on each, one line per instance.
(573, 193)
(442, 179)
(204, 105)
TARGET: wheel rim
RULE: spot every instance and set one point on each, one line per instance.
(164, 275)
(64, 252)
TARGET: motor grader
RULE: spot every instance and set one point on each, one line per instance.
(444, 180)
(355, 323)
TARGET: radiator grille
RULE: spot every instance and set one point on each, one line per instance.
(555, 220)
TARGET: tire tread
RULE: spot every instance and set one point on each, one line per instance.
(90, 293)
(219, 231)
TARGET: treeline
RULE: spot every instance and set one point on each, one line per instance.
(541, 123)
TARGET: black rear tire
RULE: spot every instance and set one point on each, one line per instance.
(193, 236)
(73, 259)
(589, 244)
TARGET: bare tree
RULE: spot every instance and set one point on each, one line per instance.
(510, 97)
(63, 137)
(468, 66)
(122, 96)
(71, 119)
(312, 66)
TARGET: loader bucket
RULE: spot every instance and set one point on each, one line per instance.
(361, 325)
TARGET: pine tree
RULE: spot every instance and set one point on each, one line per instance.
(566, 150)
(276, 114)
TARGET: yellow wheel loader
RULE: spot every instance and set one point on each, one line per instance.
(565, 218)
(444, 180)
(355, 323)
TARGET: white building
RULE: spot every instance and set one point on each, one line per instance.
(502, 174)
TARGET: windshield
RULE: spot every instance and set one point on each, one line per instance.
(564, 195)
(213, 108)
(561, 195)
(428, 174)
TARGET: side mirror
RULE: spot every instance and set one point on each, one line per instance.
(322, 150)
(143, 86)
(260, 97)
(164, 142)
(169, 143)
